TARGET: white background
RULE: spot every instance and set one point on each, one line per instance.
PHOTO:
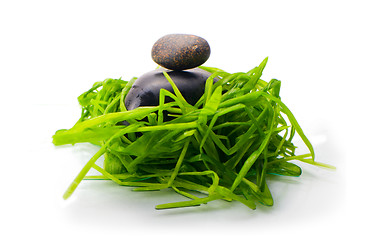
(51, 51)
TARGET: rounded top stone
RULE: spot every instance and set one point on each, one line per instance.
(180, 51)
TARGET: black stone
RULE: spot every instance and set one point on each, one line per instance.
(146, 89)
(180, 51)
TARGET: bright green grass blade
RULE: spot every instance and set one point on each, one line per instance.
(179, 163)
(190, 203)
(253, 157)
(90, 163)
(124, 92)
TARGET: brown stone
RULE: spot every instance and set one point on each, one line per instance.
(180, 51)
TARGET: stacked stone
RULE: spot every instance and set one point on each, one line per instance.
(180, 51)
(179, 55)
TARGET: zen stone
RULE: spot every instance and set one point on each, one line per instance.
(146, 89)
(180, 51)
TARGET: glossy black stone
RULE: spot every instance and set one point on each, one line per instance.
(180, 51)
(146, 89)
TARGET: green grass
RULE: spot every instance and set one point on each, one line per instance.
(224, 146)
